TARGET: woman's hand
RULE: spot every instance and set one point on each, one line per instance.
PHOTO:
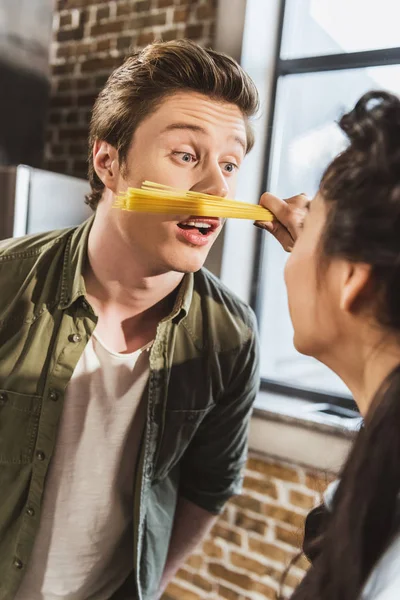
(288, 217)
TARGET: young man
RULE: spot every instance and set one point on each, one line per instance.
(127, 373)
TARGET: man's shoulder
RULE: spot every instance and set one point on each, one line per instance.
(222, 297)
(229, 322)
(30, 246)
(25, 267)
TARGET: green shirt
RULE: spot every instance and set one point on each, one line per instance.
(202, 383)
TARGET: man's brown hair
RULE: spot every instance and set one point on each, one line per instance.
(135, 89)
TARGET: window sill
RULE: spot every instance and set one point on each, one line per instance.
(295, 431)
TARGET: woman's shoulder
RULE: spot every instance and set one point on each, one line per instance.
(384, 581)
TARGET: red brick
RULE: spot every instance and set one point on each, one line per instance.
(270, 550)
(282, 514)
(68, 35)
(248, 503)
(231, 536)
(83, 84)
(61, 101)
(154, 20)
(245, 582)
(63, 69)
(265, 487)
(212, 549)
(165, 3)
(124, 9)
(195, 561)
(266, 591)
(305, 501)
(80, 166)
(292, 537)
(246, 522)
(273, 470)
(71, 116)
(185, 575)
(65, 85)
(242, 561)
(58, 166)
(72, 133)
(97, 64)
(177, 592)
(318, 482)
(169, 34)
(107, 27)
(228, 594)
(103, 45)
(206, 11)
(58, 150)
(145, 38)
(142, 6)
(202, 583)
(194, 32)
(181, 15)
(65, 20)
(103, 12)
(125, 42)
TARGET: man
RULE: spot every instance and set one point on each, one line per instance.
(127, 373)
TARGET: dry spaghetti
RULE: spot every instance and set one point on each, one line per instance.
(158, 198)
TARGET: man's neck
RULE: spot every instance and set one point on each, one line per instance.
(129, 299)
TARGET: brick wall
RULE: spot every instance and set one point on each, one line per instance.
(90, 39)
(253, 541)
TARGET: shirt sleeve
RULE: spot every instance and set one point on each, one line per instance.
(211, 468)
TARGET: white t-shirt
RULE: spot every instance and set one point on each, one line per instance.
(384, 580)
(84, 547)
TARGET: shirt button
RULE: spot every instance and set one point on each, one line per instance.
(18, 563)
(3, 398)
(53, 395)
(85, 305)
(30, 512)
(75, 338)
(40, 455)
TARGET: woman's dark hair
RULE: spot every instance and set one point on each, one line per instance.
(362, 190)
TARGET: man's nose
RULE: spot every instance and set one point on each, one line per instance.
(213, 182)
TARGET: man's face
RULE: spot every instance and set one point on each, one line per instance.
(190, 142)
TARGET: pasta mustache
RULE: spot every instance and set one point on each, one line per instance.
(158, 198)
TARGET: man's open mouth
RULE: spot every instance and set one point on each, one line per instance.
(203, 226)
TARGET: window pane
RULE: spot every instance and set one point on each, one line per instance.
(319, 27)
(306, 138)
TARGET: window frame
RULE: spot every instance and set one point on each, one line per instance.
(282, 68)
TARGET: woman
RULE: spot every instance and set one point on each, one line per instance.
(343, 281)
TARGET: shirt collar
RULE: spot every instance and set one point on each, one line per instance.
(183, 299)
(73, 285)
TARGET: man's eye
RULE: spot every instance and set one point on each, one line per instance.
(186, 156)
(230, 167)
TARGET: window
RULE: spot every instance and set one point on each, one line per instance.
(329, 54)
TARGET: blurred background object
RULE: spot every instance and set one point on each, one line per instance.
(33, 200)
(25, 37)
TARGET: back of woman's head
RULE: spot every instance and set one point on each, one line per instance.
(361, 188)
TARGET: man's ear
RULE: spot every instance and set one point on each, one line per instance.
(106, 164)
(357, 281)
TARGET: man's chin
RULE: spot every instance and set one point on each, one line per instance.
(188, 265)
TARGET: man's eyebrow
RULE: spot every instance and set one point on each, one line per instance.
(188, 126)
(199, 129)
